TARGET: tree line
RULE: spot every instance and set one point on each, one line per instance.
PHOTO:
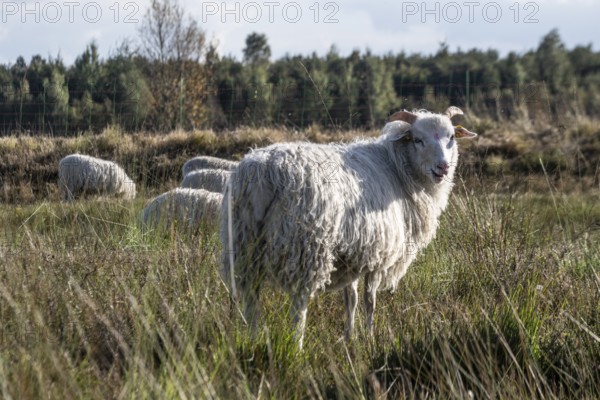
(174, 79)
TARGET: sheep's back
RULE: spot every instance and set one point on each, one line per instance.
(307, 205)
(79, 173)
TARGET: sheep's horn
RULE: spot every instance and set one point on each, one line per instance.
(403, 116)
(463, 133)
(452, 111)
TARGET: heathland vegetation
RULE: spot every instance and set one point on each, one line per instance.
(503, 304)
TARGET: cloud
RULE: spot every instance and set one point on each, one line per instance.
(3, 33)
(347, 28)
(381, 26)
(386, 27)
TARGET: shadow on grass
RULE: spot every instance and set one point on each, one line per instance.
(494, 360)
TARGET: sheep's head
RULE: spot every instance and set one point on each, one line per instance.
(428, 141)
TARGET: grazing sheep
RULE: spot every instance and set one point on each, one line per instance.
(213, 180)
(79, 174)
(308, 217)
(185, 207)
(207, 162)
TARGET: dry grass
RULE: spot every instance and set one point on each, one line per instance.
(568, 152)
(29, 165)
(503, 304)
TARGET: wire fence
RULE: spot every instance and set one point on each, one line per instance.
(73, 107)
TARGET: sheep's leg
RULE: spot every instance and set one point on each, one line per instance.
(251, 313)
(372, 281)
(350, 302)
(298, 312)
(250, 297)
(67, 194)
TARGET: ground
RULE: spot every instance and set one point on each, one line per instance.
(504, 303)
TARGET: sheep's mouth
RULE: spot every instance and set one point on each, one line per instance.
(437, 177)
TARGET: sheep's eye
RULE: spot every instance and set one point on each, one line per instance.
(408, 137)
(418, 141)
(452, 138)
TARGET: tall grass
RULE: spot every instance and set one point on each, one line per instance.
(505, 303)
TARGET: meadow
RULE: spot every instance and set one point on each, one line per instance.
(504, 303)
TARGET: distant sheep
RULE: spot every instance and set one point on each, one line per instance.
(309, 217)
(213, 180)
(79, 174)
(186, 208)
(207, 162)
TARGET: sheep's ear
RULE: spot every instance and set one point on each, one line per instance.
(452, 111)
(463, 133)
(397, 130)
(403, 116)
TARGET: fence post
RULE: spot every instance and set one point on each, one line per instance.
(181, 103)
(467, 87)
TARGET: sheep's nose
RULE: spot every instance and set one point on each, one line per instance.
(444, 167)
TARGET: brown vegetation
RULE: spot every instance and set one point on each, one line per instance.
(514, 153)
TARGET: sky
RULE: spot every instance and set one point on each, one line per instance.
(65, 28)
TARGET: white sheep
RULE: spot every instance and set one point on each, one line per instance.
(79, 174)
(186, 208)
(207, 162)
(213, 180)
(309, 217)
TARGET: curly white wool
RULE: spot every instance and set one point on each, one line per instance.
(207, 162)
(213, 180)
(185, 208)
(79, 174)
(308, 217)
